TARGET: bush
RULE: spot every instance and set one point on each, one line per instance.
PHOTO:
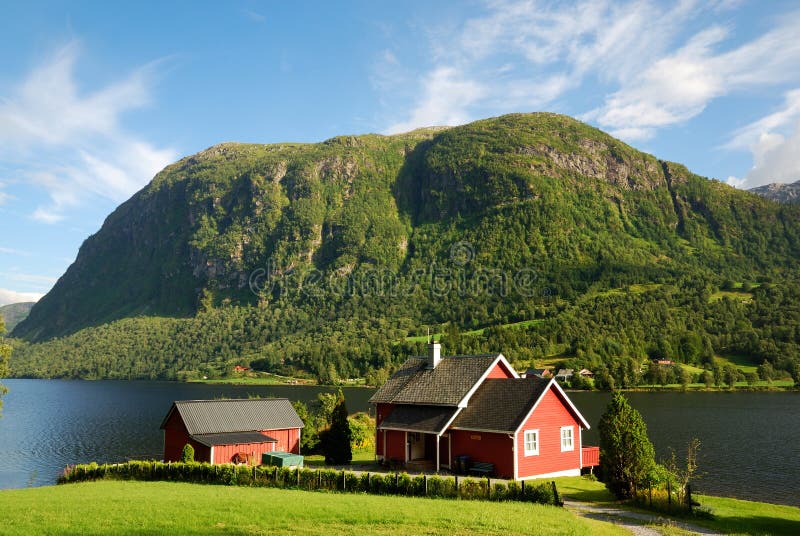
(187, 454)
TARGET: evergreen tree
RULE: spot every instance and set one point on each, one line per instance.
(626, 453)
(336, 439)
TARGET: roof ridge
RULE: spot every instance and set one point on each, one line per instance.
(229, 399)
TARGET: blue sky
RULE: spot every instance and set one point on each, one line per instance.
(95, 97)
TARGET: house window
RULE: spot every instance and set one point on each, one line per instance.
(567, 442)
(531, 442)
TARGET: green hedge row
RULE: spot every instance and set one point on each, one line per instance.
(320, 479)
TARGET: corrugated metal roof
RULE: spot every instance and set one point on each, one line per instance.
(427, 419)
(445, 385)
(501, 404)
(235, 415)
(237, 438)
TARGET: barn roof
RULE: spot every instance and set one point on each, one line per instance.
(445, 385)
(501, 405)
(235, 415)
(237, 438)
(427, 419)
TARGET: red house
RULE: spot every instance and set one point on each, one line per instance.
(231, 431)
(436, 409)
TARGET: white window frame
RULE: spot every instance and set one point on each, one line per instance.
(571, 446)
(531, 452)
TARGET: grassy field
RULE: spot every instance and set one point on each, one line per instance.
(731, 516)
(257, 378)
(123, 507)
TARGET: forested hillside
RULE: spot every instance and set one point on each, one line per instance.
(540, 234)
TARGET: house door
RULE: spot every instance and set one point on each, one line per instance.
(416, 446)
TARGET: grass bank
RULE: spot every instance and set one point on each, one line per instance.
(731, 516)
(125, 507)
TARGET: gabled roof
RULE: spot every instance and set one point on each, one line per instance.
(235, 415)
(501, 405)
(446, 385)
(427, 419)
(237, 438)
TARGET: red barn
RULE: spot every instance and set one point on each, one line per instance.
(435, 409)
(225, 431)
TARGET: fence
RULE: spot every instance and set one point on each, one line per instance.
(317, 480)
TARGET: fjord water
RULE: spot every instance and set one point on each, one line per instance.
(750, 442)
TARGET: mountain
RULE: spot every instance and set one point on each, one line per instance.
(14, 313)
(780, 192)
(324, 257)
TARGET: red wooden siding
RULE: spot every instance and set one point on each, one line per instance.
(548, 417)
(288, 439)
(491, 448)
(381, 412)
(253, 452)
(176, 436)
(395, 445)
(500, 371)
(444, 450)
(591, 456)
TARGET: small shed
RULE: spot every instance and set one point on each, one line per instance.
(231, 431)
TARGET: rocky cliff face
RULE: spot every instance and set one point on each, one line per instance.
(533, 191)
(780, 192)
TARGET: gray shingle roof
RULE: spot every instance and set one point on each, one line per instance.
(212, 440)
(501, 404)
(445, 385)
(235, 415)
(428, 419)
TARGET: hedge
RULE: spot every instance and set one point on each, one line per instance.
(316, 480)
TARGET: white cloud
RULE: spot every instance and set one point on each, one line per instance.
(447, 95)
(12, 296)
(649, 64)
(72, 144)
(774, 141)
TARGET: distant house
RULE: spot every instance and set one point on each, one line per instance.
(226, 431)
(538, 372)
(436, 411)
(564, 374)
(665, 362)
(239, 368)
(586, 373)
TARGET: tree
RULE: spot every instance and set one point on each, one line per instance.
(336, 439)
(187, 454)
(5, 352)
(309, 439)
(626, 453)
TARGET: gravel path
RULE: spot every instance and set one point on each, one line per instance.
(633, 521)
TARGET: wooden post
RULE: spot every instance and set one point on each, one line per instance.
(425, 483)
(319, 479)
(556, 498)
(523, 490)
(276, 475)
(344, 481)
(488, 487)
(298, 477)
(456, 477)
(396, 481)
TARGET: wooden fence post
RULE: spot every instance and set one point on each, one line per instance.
(425, 483)
(344, 480)
(488, 487)
(456, 477)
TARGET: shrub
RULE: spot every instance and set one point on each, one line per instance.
(187, 454)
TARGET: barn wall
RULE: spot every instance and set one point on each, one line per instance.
(485, 447)
(176, 436)
(253, 452)
(548, 417)
(381, 412)
(395, 445)
(288, 439)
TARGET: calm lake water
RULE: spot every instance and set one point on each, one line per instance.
(750, 442)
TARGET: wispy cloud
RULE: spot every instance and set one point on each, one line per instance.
(72, 144)
(650, 65)
(12, 251)
(254, 16)
(12, 296)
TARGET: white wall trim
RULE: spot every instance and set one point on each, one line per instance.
(516, 460)
(556, 474)
(211, 456)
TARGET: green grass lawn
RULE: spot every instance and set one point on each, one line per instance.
(731, 516)
(125, 507)
(360, 457)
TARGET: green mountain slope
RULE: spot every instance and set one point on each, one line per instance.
(294, 253)
(14, 313)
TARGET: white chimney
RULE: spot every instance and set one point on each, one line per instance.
(434, 354)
